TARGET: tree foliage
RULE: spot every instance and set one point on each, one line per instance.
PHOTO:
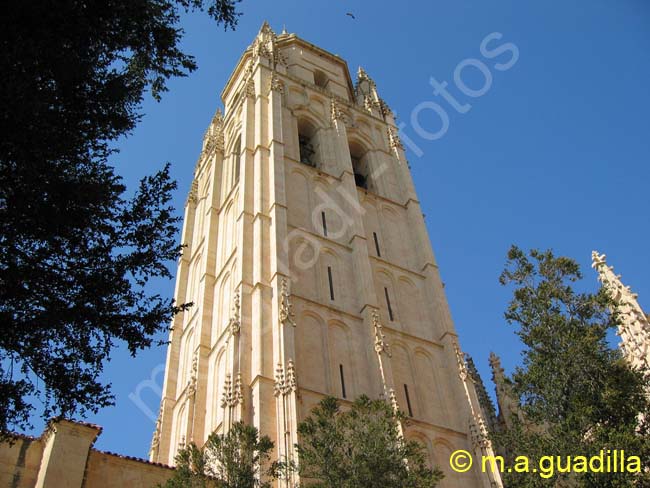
(360, 447)
(238, 459)
(577, 392)
(75, 251)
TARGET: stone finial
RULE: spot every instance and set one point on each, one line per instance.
(264, 46)
(365, 86)
(597, 259)
(285, 383)
(506, 398)
(232, 391)
(278, 386)
(237, 393)
(226, 396)
(291, 380)
(495, 364)
(286, 308)
(633, 324)
(214, 139)
(263, 43)
(381, 345)
(363, 76)
(234, 323)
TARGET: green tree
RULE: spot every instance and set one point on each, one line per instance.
(360, 447)
(238, 459)
(75, 251)
(578, 394)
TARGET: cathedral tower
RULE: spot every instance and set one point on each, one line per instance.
(310, 268)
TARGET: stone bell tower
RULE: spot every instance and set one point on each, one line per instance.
(310, 268)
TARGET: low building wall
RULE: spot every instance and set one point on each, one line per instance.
(63, 457)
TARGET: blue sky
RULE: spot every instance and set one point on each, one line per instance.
(555, 154)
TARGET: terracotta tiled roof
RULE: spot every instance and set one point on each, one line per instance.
(133, 458)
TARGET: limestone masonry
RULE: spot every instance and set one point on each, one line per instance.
(310, 268)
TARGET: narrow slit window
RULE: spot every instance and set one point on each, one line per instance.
(329, 277)
(390, 309)
(374, 236)
(237, 161)
(324, 224)
(408, 400)
(342, 381)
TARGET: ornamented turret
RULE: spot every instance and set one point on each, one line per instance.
(213, 139)
(264, 46)
(633, 324)
(366, 95)
(506, 398)
(484, 400)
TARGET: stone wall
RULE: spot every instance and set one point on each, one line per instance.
(63, 457)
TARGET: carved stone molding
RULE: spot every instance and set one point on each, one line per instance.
(335, 110)
(368, 103)
(393, 139)
(384, 108)
(276, 84)
(393, 400)
(478, 433)
(460, 359)
(292, 381)
(250, 87)
(193, 195)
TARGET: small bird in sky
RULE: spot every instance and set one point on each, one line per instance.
(350, 14)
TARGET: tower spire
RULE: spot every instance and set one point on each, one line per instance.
(633, 324)
(506, 398)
